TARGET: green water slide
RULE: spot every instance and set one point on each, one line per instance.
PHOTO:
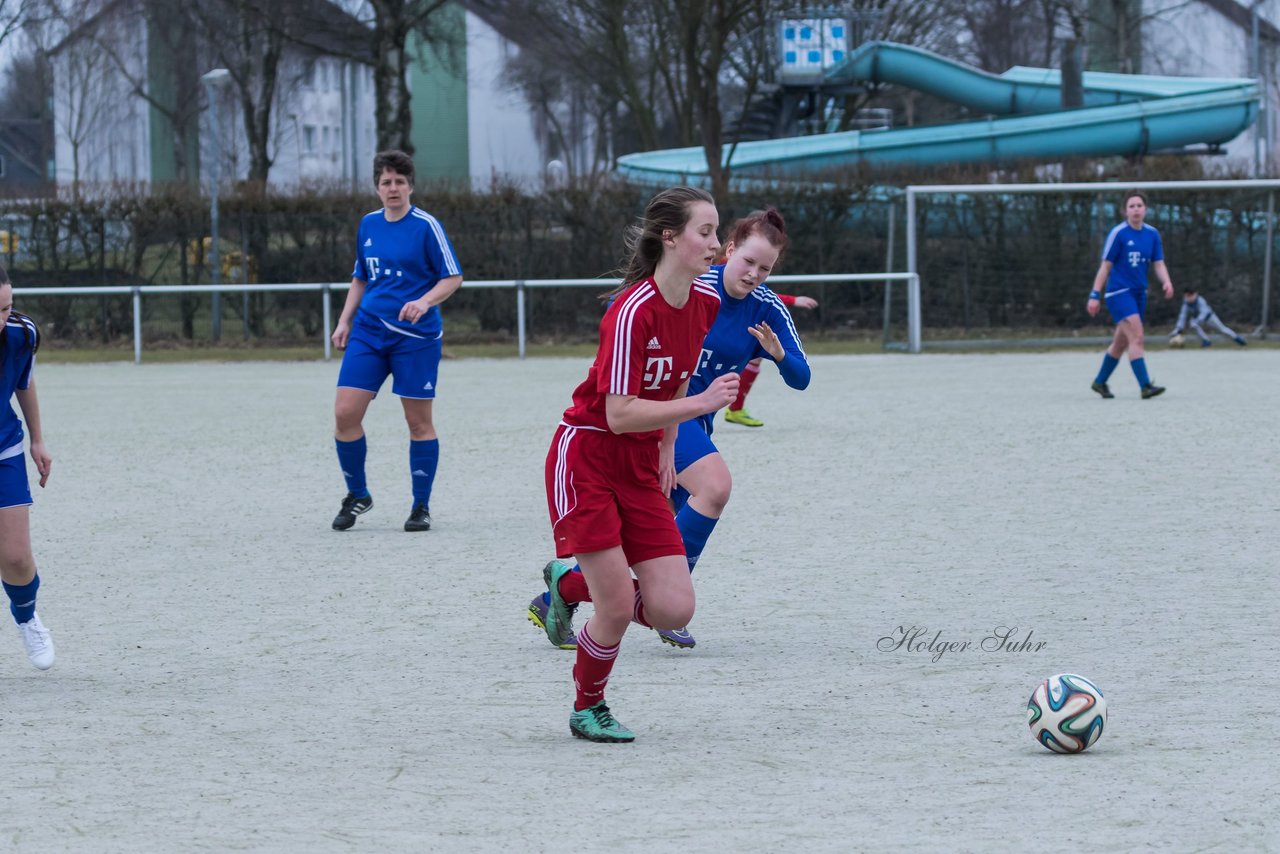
(1122, 115)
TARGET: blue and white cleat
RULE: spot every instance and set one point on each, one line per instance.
(679, 638)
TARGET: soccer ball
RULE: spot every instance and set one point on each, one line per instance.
(1066, 713)
(1177, 341)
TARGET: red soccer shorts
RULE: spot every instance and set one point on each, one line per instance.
(602, 492)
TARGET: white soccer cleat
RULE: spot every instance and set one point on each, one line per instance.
(38, 641)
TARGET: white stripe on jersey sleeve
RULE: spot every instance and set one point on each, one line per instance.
(35, 333)
(703, 287)
(767, 296)
(450, 262)
(20, 324)
(622, 339)
(1111, 237)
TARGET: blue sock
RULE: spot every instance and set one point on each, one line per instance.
(1109, 363)
(1140, 371)
(546, 596)
(424, 456)
(22, 599)
(694, 530)
(351, 457)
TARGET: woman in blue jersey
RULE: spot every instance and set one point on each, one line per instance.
(391, 324)
(18, 343)
(752, 323)
(1131, 247)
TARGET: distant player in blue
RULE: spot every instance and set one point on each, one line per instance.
(752, 323)
(391, 324)
(19, 341)
(1196, 313)
(1131, 248)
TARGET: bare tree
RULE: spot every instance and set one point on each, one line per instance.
(170, 38)
(79, 99)
(380, 38)
(1006, 33)
(707, 34)
(13, 15)
(600, 54)
(24, 105)
(659, 68)
(248, 37)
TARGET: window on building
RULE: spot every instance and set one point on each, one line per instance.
(309, 138)
(324, 138)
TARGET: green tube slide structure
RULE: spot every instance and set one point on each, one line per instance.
(1122, 115)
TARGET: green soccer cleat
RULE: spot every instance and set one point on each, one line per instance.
(538, 616)
(558, 620)
(741, 416)
(597, 724)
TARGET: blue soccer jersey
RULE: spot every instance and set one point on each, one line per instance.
(18, 349)
(1131, 251)
(399, 262)
(729, 346)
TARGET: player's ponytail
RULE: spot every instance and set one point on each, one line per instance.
(31, 335)
(667, 212)
(767, 223)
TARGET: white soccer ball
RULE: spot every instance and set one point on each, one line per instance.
(1177, 341)
(1066, 713)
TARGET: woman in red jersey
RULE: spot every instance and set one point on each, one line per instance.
(612, 462)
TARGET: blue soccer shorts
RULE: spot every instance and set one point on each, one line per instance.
(1127, 303)
(373, 353)
(15, 490)
(692, 444)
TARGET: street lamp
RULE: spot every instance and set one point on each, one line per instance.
(214, 80)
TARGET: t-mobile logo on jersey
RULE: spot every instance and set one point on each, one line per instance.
(1135, 258)
(703, 361)
(372, 263)
(657, 371)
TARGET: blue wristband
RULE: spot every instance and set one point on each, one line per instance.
(1094, 295)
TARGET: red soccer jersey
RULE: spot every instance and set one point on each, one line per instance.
(648, 348)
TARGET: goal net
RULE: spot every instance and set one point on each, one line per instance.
(1013, 264)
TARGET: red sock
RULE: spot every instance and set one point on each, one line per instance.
(573, 588)
(591, 669)
(748, 376)
(637, 615)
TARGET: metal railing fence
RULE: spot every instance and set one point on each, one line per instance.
(325, 289)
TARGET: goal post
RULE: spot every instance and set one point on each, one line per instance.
(1010, 256)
